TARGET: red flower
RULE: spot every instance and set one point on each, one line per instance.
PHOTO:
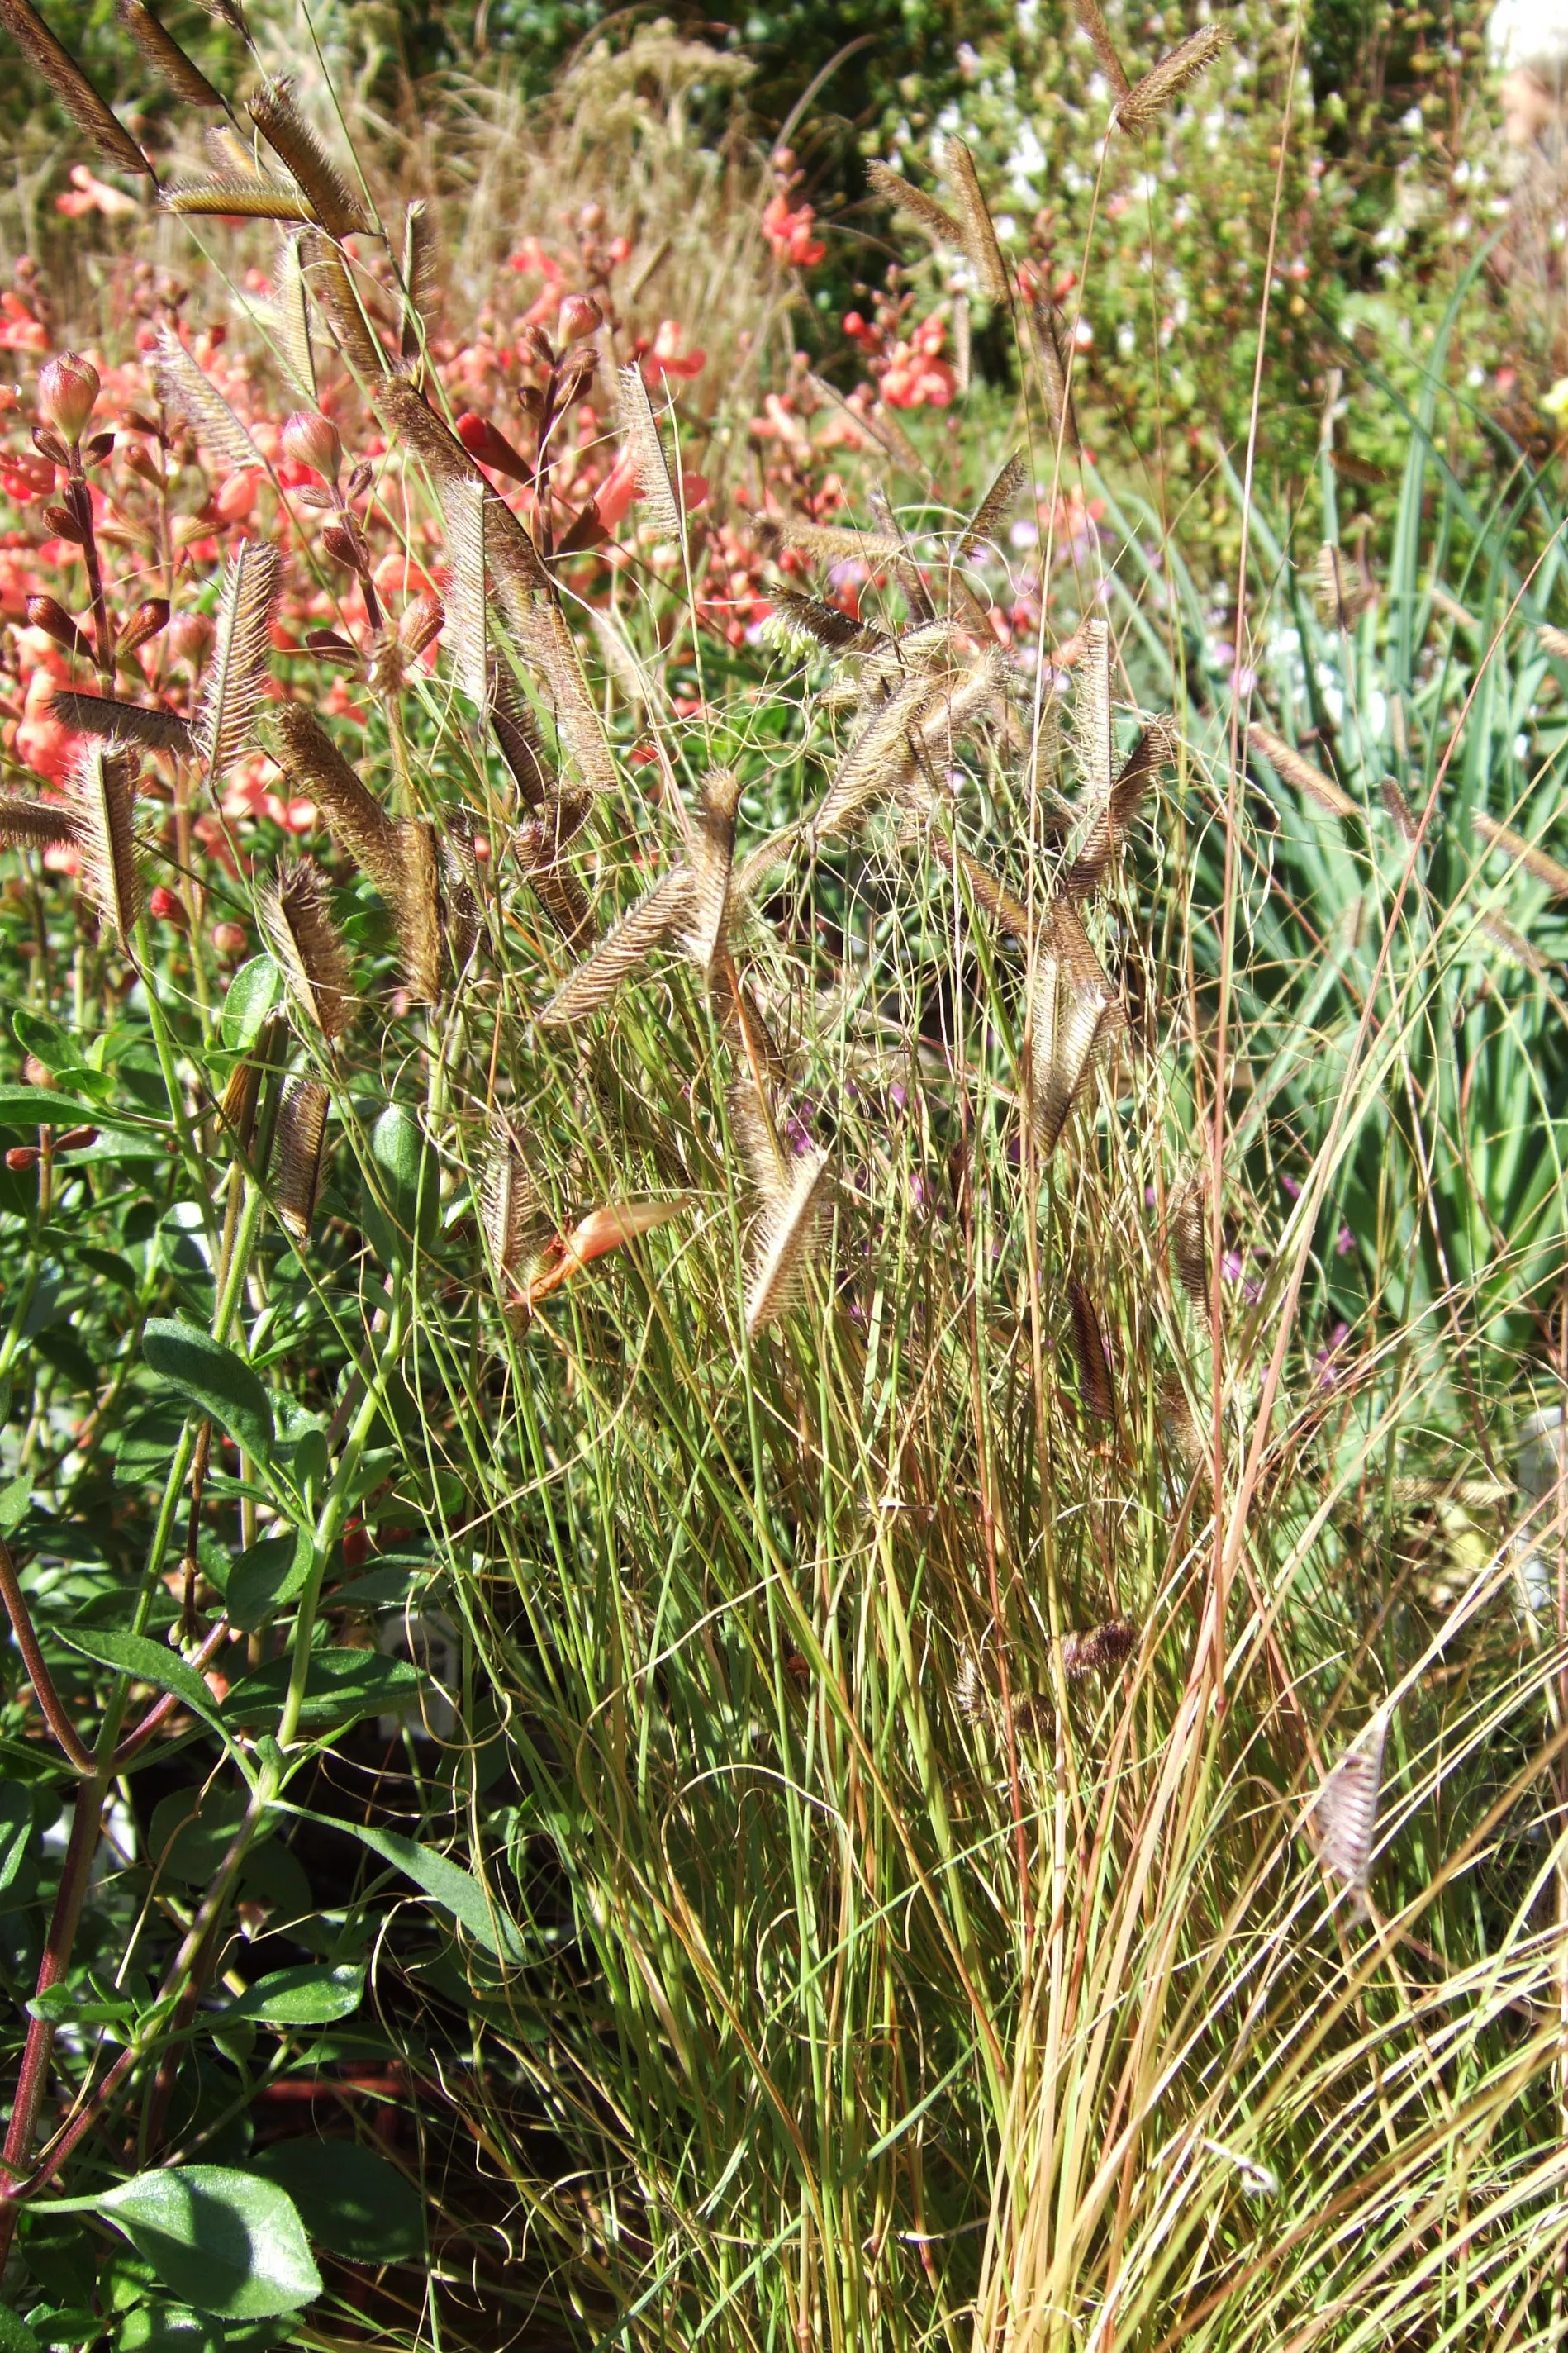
(789, 232)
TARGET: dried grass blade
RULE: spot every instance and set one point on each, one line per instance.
(103, 798)
(420, 289)
(516, 1225)
(463, 513)
(331, 285)
(1100, 1649)
(646, 925)
(800, 616)
(1186, 1226)
(1111, 825)
(514, 728)
(237, 667)
(640, 428)
(34, 825)
(1344, 1820)
(837, 543)
(1341, 596)
(976, 228)
(881, 759)
(711, 858)
(514, 559)
(416, 909)
(1528, 854)
(1050, 342)
(1294, 770)
(127, 722)
(297, 1144)
(293, 316)
(788, 1237)
(553, 883)
(1148, 99)
(934, 218)
(1005, 484)
(1068, 1001)
(237, 199)
(549, 645)
(165, 54)
(1091, 712)
(294, 914)
(320, 772)
(275, 114)
(192, 394)
(1094, 1383)
(92, 118)
(1098, 31)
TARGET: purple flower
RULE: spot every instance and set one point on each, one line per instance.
(1344, 1242)
(1290, 1188)
(1230, 1266)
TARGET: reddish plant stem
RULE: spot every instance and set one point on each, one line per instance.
(38, 1675)
(162, 1710)
(33, 2076)
(79, 498)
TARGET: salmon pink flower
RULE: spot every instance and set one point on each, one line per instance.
(667, 358)
(788, 232)
(88, 194)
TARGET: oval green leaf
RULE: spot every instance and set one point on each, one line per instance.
(352, 2201)
(225, 2241)
(150, 1662)
(271, 1573)
(43, 1107)
(446, 1884)
(307, 1996)
(213, 1377)
(15, 1830)
(168, 2328)
(342, 1686)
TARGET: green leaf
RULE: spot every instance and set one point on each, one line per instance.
(43, 1107)
(47, 1040)
(353, 2202)
(193, 1829)
(446, 1884)
(255, 991)
(225, 2241)
(14, 1498)
(168, 2328)
(407, 1180)
(58, 2004)
(213, 1379)
(269, 1574)
(310, 1996)
(15, 1830)
(148, 1661)
(67, 2325)
(341, 1686)
(15, 2336)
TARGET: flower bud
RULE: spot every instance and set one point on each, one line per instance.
(47, 613)
(144, 623)
(312, 440)
(37, 1073)
(21, 1158)
(580, 315)
(591, 219)
(190, 634)
(165, 906)
(68, 388)
(76, 1139)
(231, 939)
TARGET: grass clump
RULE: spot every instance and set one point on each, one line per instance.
(768, 1304)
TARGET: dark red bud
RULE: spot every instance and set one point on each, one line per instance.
(144, 623)
(481, 440)
(76, 1139)
(68, 387)
(20, 1157)
(45, 613)
(64, 525)
(50, 445)
(339, 543)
